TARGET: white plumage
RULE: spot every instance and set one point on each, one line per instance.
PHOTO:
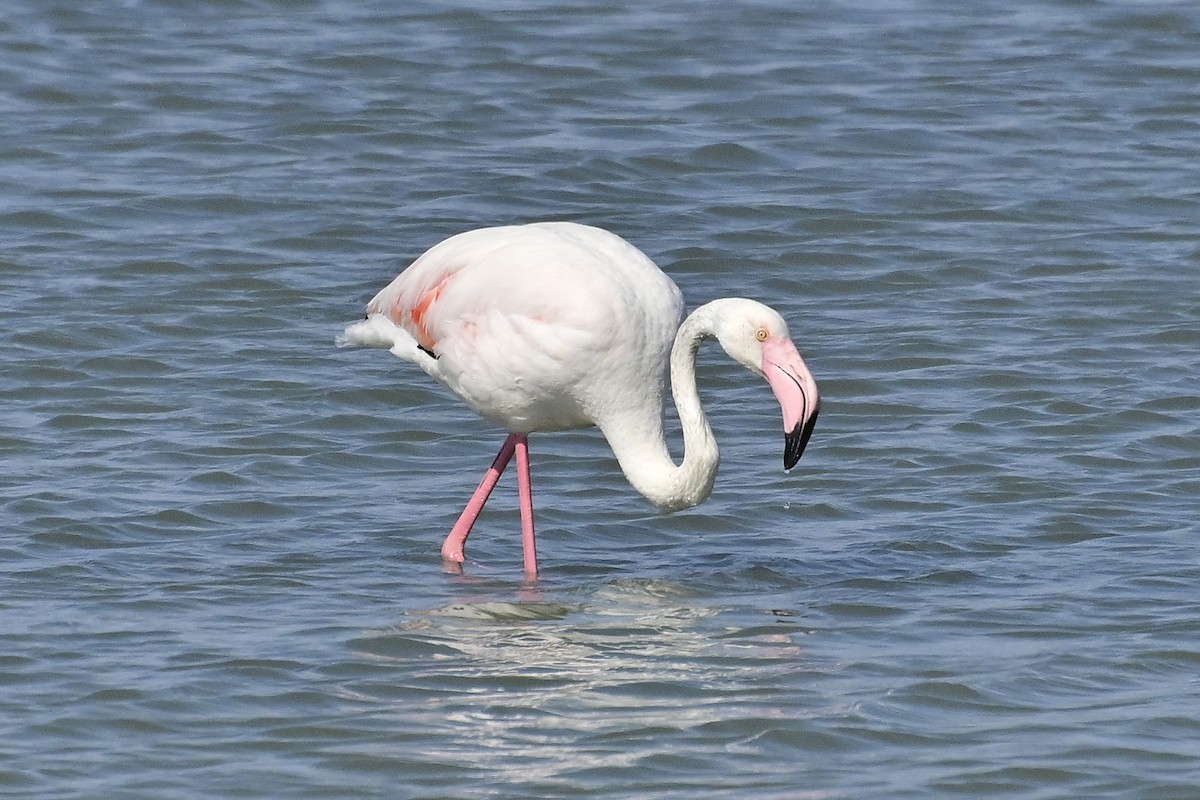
(555, 325)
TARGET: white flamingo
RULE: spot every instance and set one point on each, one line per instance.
(554, 326)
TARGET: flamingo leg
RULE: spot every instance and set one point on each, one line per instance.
(528, 542)
(453, 549)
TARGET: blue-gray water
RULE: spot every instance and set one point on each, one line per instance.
(219, 534)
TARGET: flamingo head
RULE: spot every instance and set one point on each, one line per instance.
(756, 337)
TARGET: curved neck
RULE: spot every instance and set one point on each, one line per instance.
(641, 448)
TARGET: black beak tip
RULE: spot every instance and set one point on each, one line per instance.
(796, 440)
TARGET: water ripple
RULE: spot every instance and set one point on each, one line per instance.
(219, 557)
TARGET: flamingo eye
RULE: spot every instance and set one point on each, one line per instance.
(761, 334)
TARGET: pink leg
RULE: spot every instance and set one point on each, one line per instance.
(453, 547)
(528, 542)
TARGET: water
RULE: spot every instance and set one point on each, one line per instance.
(219, 534)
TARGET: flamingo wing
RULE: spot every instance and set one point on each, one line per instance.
(520, 321)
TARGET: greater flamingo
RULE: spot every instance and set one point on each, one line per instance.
(553, 326)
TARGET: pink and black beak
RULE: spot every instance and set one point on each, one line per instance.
(797, 392)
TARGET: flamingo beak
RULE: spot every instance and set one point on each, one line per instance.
(797, 392)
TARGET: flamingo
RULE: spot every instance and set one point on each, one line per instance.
(555, 326)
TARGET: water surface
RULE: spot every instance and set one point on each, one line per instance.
(219, 534)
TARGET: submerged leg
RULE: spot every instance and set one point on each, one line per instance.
(528, 543)
(453, 547)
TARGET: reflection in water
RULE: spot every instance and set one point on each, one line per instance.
(537, 689)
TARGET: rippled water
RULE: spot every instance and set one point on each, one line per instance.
(219, 534)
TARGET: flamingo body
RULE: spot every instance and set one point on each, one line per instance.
(541, 327)
(554, 326)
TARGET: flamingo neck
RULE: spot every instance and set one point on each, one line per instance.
(641, 447)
